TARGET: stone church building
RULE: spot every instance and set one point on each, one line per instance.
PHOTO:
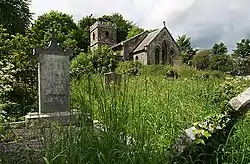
(148, 47)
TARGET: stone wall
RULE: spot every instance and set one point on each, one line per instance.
(163, 36)
(131, 44)
(102, 34)
(142, 57)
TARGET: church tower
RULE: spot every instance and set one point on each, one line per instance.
(102, 33)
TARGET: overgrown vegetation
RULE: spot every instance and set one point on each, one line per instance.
(140, 119)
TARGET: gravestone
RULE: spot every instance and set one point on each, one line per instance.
(53, 84)
(112, 78)
(241, 102)
(53, 78)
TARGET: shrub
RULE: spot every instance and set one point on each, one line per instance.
(202, 59)
(227, 90)
(221, 63)
(100, 60)
(129, 67)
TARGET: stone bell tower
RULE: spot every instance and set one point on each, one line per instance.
(102, 33)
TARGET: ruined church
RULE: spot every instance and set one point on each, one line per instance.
(148, 47)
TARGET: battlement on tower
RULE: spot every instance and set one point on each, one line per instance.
(102, 24)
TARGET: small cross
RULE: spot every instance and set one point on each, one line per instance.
(164, 23)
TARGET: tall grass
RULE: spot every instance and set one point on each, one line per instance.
(141, 119)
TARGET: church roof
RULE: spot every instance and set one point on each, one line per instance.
(149, 38)
(125, 41)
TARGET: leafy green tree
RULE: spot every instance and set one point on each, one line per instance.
(100, 60)
(123, 26)
(184, 43)
(243, 49)
(242, 57)
(18, 81)
(68, 33)
(187, 51)
(219, 49)
(15, 15)
(84, 24)
(134, 31)
(201, 60)
(222, 62)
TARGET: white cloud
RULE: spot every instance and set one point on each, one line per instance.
(205, 21)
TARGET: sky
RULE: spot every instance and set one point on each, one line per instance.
(205, 21)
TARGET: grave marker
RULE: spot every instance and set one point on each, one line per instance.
(53, 78)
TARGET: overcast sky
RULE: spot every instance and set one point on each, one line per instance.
(205, 21)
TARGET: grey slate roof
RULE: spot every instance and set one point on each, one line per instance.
(125, 41)
(147, 40)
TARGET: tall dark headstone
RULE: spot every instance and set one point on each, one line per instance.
(53, 78)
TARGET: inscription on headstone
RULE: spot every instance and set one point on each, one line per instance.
(53, 78)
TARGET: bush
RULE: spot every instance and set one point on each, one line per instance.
(227, 90)
(209, 74)
(202, 59)
(129, 67)
(221, 63)
(100, 60)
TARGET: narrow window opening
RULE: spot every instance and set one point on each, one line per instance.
(157, 56)
(107, 34)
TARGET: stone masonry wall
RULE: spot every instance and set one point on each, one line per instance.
(142, 57)
(162, 36)
(130, 45)
(98, 36)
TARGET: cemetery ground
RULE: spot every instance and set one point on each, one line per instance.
(141, 118)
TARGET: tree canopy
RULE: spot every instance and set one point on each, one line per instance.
(123, 26)
(134, 31)
(68, 34)
(15, 15)
(219, 49)
(184, 43)
(243, 49)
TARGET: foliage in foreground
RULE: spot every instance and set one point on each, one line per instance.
(141, 118)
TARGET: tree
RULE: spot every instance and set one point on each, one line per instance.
(19, 74)
(184, 43)
(201, 60)
(84, 25)
(242, 57)
(100, 60)
(222, 62)
(219, 49)
(134, 31)
(122, 25)
(187, 51)
(68, 34)
(243, 49)
(15, 15)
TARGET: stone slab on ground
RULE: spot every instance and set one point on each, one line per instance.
(63, 118)
(242, 101)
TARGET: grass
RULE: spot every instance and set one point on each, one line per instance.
(152, 110)
(142, 118)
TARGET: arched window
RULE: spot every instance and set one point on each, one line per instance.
(164, 52)
(136, 58)
(107, 34)
(171, 56)
(157, 55)
(93, 36)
